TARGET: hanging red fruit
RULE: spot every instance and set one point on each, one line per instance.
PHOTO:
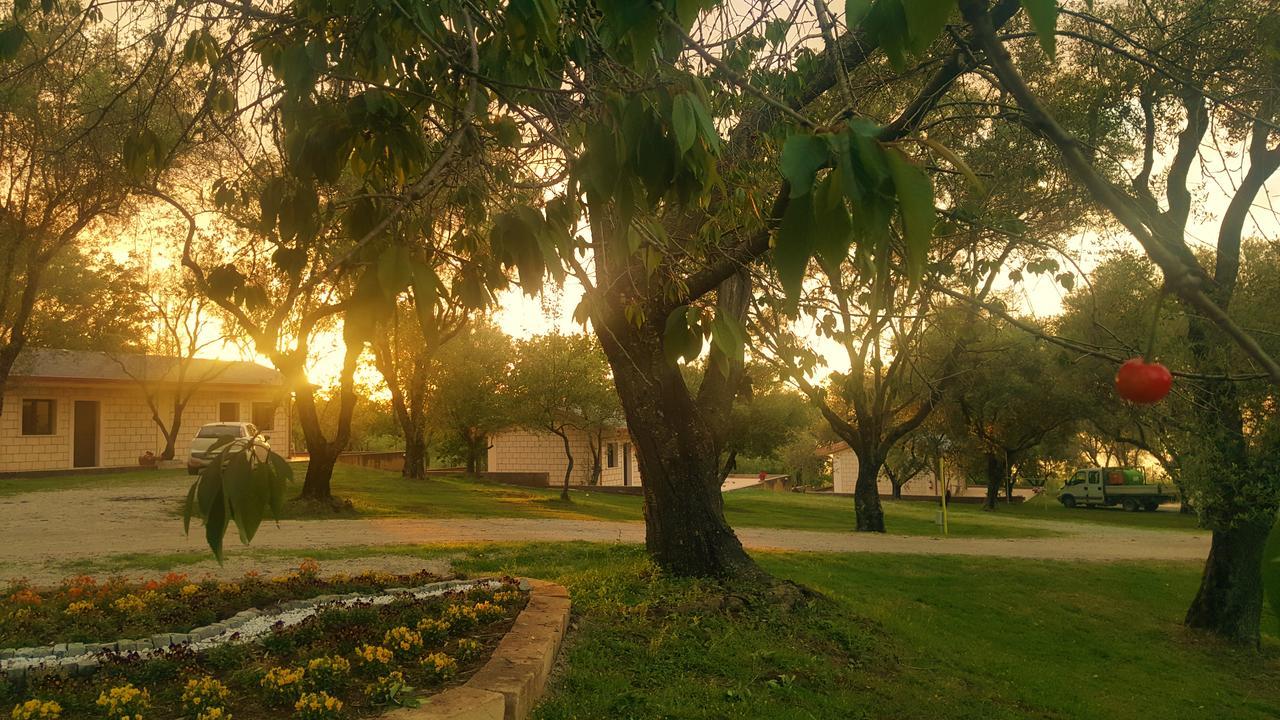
(1142, 382)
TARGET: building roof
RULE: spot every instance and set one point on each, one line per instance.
(122, 367)
(833, 448)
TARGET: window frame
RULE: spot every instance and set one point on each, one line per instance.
(52, 419)
(271, 415)
(224, 403)
(611, 455)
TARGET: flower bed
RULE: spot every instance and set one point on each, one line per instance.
(86, 610)
(343, 661)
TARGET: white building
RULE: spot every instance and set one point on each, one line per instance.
(519, 450)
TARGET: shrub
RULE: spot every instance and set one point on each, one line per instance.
(124, 702)
(37, 710)
(440, 667)
(214, 714)
(317, 706)
(388, 689)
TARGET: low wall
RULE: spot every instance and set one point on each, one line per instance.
(391, 460)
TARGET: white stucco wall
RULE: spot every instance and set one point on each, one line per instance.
(522, 450)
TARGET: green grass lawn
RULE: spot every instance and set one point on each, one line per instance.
(381, 493)
(897, 637)
(72, 481)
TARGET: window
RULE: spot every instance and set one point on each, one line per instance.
(228, 412)
(264, 415)
(218, 431)
(1094, 477)
(611, 455)
(37, 417)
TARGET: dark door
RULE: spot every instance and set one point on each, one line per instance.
(85, 434)
(626, 463)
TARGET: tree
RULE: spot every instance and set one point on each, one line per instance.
(560, 384)
(1202, 48)
(404, 353)
(169, 367)
(70, 98)
(88, 301)
(767, 418)
(1008, 401)
(470, 391)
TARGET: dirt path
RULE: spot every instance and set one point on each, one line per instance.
(41, 532)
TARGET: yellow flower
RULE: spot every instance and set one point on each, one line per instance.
(285, 683)
(373, 654)
(440, 666)
(214, 714)
(206, 693)
(433, 630)
(468, 648)
(317, 706)
(37, 710)
(129, 604)
(124, 702)
(403, 640)
(81, 607)
(189, 590)
(229, 588)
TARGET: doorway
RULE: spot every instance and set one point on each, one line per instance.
(626, 463)
(84, 436)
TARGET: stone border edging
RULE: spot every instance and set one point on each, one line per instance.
(513, 680)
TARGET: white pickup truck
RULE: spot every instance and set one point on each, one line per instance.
(1126, 487)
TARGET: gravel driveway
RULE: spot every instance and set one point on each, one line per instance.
(41, 531)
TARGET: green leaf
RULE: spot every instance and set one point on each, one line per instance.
(209, 488)
(886, 25)
(855, 11)
(1044, 18)
(684, 120)
(802, 157)
(678, 340)
(706, 125)
(728, 335)
(394, 270)
(957, 162)
(835, 228)
(11, 38)
(215, 524)
(794, 245)
(245, 497)
(915, 205)
(189, 508)
(925, 19)
(281, 476)
(775, 31)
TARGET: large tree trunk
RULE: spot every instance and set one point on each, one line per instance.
(678, 456)
(866, 498)
(1229, 602)
(317, 485)
(171, 434)
(995, 479)
(415, 454)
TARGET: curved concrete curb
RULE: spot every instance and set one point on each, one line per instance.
(513, 680)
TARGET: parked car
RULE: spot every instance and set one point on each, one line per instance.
(1126, 487)
(207, 435)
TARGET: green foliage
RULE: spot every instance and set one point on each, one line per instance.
(1044, 18)
(852, 204)
(243, 482)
